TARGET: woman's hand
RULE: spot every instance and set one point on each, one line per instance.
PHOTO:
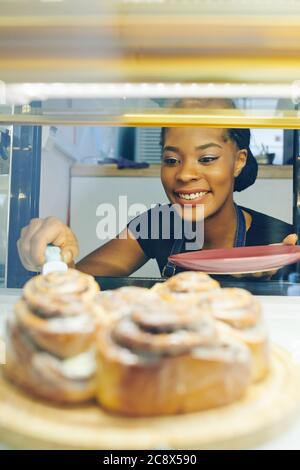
(288, 240)
(40, 233)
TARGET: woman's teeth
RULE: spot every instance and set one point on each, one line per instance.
(191, 195)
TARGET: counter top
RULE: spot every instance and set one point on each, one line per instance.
(78, 170)
(282, 316)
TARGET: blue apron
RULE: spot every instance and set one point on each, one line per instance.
(240, 240)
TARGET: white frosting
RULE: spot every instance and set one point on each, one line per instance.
(236, 351)
(129, 357)
(54, 266)
(79, 323)
(79, 367)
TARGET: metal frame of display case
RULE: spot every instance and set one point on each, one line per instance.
(24, 196)
(160, 117)
(295, 277)
(255, 287)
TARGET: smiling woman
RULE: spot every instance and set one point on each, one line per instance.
(204, 167)
(201, 168)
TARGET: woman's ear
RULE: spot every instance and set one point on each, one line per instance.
(240, 161)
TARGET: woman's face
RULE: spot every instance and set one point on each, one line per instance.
(199, 167)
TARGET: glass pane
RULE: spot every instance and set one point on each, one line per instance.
(248, 112)
(76, 150)
(5, 158)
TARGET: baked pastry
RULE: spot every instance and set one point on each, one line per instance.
(188, 285)
(236, 308)
(56, 312)
(59, 292)
(44, 375)
(52, 333)
(59, 335)
(156, 360)
(241, 312)
(117, 303)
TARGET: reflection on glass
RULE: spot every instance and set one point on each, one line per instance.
(82, 151)
(5, 151)
(129, 111)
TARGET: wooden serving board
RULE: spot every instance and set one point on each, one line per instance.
(267, 407)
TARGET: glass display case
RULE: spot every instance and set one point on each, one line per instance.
(85, 131)
(86, 92)
(124, 65)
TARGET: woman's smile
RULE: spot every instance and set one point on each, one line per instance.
(191, 196)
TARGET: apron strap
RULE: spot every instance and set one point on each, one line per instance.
(170, 268)
(240, 240)
(240, 234)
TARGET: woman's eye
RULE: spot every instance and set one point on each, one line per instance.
(170, 161)
(208, 159)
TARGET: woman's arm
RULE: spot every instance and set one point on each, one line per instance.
(119, 257)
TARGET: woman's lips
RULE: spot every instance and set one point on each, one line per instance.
(190, 197)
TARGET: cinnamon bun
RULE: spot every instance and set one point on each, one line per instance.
(52, 336)
(186, 285)
(45, 375)
(60, 293)
(62, 336)
(117, 303)
(147, 368)
(241, 312)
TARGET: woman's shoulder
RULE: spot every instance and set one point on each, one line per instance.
(259, 218)
(266, 229)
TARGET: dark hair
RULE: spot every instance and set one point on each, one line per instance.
(242, 139)
(249, 173)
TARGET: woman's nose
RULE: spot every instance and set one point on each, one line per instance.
(188, 172)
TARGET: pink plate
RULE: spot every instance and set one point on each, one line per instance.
(247, 259)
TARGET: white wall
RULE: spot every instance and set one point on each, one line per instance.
(62, 147)
(55, 184)
(88, 192)
(270, 196)
(273, 197)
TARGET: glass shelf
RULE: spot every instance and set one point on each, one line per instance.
(176, 40)
(124, 115)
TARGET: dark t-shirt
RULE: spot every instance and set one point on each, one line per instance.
(264, 230)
